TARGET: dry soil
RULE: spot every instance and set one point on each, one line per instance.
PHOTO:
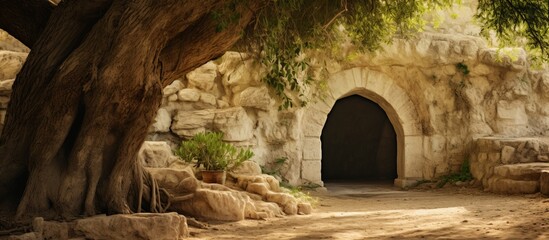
(358, 211)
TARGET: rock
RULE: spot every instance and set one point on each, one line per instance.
(304, 208)
(507, 154)
(177, 182)
(247, 168)
(543, 158)
(214, 205)
(258, 188)
(203, 77)
(157, 154)
(544, 84)
(135, 226)
(162, 121)
(230, 60)
(5, 87)
(522, 171)
(234, 123)
(256, 97)
(11, 63)
(501, 185)
(187, 123)
(286, 201)
(27, 236)
(188, 94)
(172, 98)
(544, 182)
(208, 99)
(173, 88)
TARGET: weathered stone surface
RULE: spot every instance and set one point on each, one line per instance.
(502, 185)
(523, 171)
(173, 88)
(188, 94)
(256, 97)
(248, 168)
(11, 63)
(212, 204)
(188, 123)
(544, 182)
(234, 123)
(203, 77)
(507, 154)
(157, 154)
(162, 121)
(135, 226)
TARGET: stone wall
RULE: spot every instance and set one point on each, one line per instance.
(440, 90)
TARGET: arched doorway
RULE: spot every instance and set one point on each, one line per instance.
(358, 142)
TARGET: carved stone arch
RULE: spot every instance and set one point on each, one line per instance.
(381, 89)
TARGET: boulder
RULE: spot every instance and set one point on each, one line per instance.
(11, 63)
(234, 123)
(255, 97)
(133, 226)
(214, 205)
(247, 168)
(157, 154)
(203, 77)
(188, 94)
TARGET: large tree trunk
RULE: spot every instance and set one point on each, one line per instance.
(83, 101)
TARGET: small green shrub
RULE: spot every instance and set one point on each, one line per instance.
(209, 151)
(463, 68)
(463, 175)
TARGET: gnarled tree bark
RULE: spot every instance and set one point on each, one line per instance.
(83, 101)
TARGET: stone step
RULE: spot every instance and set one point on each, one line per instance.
(522, 171)
(524, 178)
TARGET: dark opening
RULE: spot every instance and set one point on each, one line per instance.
(358, 142)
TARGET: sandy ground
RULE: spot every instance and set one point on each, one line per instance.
(358, 211)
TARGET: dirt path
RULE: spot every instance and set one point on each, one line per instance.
(351, 211)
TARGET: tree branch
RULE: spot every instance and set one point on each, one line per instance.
(202, 42)
(25, 20)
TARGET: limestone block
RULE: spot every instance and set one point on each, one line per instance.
(156, 154)
(258, 188)
(230, 60)
(286, 201)
(413, 153)
(473, 96)
(544, 182)
(222, 104)
(177, 182)
(193, 119)
(510, 116)
(312, 149)
(188, 94)
(507, 154)
(305, 208)
(523, 171)
(313, 123)
(173, 88)
(310, 171)
(138, 226)
(5, 87)
(234, 123)
(544, 85)
(203, 77)
(248, 168)
(214, 205)
(11, 63)
(208, 99)
(162, 121)
(249, 73)
(255, 97)
(514, 58)
(172, 98)
(469, 48)
(501, 185)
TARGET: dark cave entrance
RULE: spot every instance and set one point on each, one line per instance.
(358, 143)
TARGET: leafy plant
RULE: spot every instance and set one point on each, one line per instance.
(463, 175)
(209, 151)
(275, 168)
(462, 68)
